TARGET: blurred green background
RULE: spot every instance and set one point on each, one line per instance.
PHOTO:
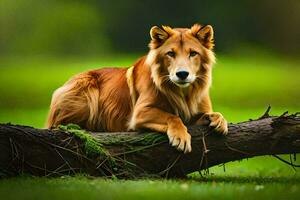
(44, 42)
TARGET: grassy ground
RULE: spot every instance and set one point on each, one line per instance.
(258, 178)
(242, 89)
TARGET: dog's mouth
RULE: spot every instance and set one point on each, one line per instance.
(182, 84)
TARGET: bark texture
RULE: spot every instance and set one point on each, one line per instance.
(43, 152)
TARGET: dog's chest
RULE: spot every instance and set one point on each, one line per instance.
(186, 109)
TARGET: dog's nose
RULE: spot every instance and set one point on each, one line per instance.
(182, 74)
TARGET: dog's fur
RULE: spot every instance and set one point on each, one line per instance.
(147, 95)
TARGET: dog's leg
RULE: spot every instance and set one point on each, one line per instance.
(213, 119)
(161, 121)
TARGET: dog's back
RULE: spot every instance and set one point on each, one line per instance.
(95, 100)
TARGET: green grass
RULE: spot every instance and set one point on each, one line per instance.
(242, 89)
(258, 178)
(240, 82)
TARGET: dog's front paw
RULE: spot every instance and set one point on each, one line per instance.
(180, 139)
(215, 120)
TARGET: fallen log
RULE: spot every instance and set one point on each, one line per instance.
(70, 150)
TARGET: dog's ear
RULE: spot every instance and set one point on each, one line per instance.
(205, 34)
(159, 35)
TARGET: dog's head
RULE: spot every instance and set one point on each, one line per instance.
(180, 56)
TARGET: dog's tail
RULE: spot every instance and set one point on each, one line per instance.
(76, 102)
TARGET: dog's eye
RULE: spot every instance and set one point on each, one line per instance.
(171, 54)
(193, 53)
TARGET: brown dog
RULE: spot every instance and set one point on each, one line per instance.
(162, 91)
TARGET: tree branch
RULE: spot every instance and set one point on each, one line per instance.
(57, 152)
